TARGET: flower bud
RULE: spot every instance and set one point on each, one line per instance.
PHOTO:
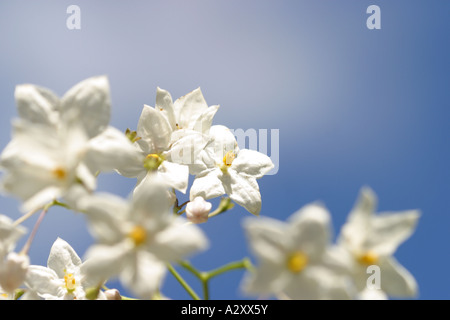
(13, 271)
(112, 294)
(197, 210)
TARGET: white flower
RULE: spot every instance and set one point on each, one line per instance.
(231, 171)
(368, 239)
(88, 102)
(137, 239)
(197, 210)
(293, 257)
(63, 279)
(59, 141)
(170, 139)
(42, 165)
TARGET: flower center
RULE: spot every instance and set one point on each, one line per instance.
(70, 282)
(152, 161)
(297, 262)
(59, 173)
(368, 258)
(138, 235)
(227, 161)
(228, 158)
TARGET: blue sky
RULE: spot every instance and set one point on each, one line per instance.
(353, 106)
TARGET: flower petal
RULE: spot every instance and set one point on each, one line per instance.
(174, 175)
(63, 258)
(112, 150)
(204, 121)
(223, 141)
(187, 148)
(105, 214)
(89, 102)
(389, 230)
(355, 231)
(253, 163)
(37, 105)
(396, 281)
(243, 190)
(103, 261)
(190, 107)
(310, 231)
(177, 241)
(207, 185)
(318, 283)
(44, 282)
(154, 131)
(164, 103)
(267, 279)
(143, 274)
(267, 239)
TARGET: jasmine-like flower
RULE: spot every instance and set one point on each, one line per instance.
(63, 278)
(369, 239)
(231, 171)
(170, 139)
(136, 239)
(293, 257)
(41, 164)
(61, 141)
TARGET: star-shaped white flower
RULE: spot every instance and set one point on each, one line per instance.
(136, 239)
(63, 278)
(41, 165)
(170, 138)
(369, 239)
(231, 171)
(59, 141)
(293, 257)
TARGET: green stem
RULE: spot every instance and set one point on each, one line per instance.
(205, 277)
(183, 283)
(243, 264)
(205, 285)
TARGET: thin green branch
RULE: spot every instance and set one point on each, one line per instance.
(183, 283)
(205, 277)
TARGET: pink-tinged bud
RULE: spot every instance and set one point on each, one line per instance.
(13, 271)
(197, 210)
(112, 294)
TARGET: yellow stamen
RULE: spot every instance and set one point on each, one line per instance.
(138, 235)
(228, 158)
(59, 173)
(368, 258)
(152, 161)
(297, 262)
(69, 281)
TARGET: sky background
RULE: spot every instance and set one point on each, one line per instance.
(354, 107)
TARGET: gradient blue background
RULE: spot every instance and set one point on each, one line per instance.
(354, 106)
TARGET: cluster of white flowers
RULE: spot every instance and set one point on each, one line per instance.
(60, 145)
